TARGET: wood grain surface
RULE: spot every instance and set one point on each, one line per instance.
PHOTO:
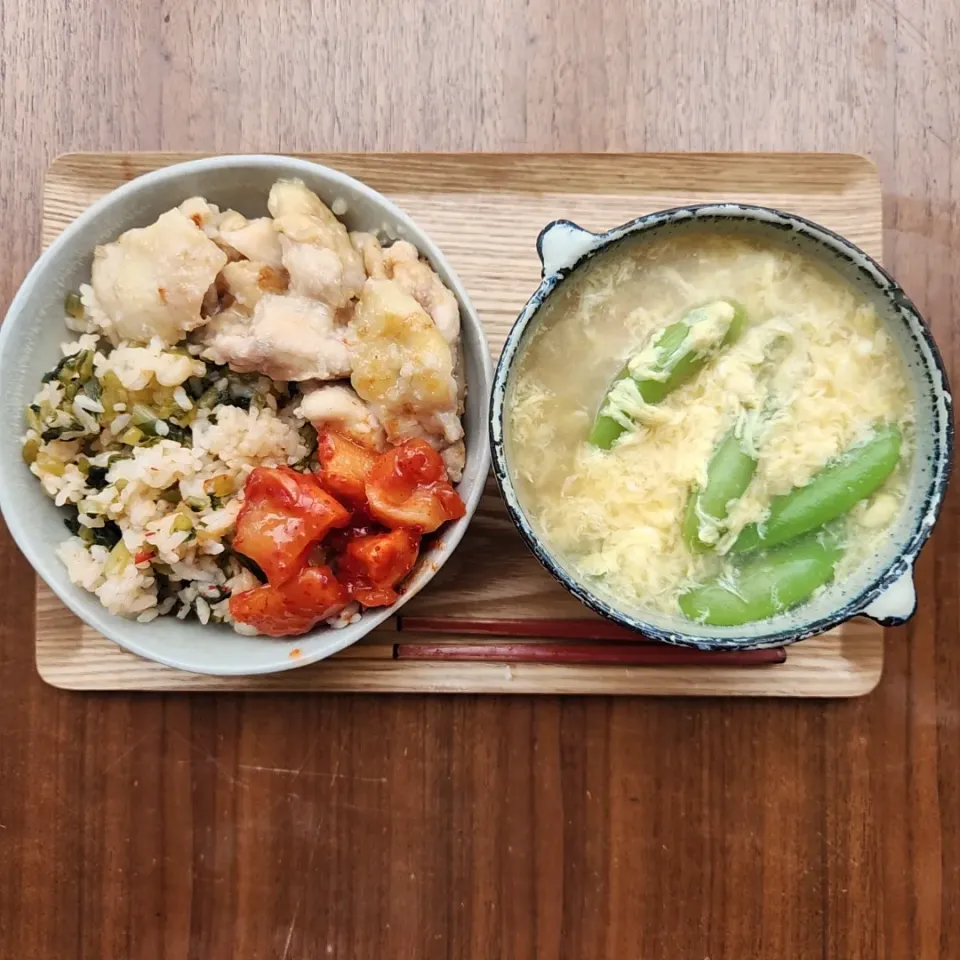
(166, 826)
(485, 211)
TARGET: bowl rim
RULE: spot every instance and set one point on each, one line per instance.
(117, 628)
(884, 284)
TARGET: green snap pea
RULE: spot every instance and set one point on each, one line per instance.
(767, 584)
(675, 364)
(605, 429)
(729, 473)
(830, 494)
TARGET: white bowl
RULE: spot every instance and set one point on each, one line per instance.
(30, 341)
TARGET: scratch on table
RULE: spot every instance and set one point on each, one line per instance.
(293, 923)
(116, 761)
(336, 763)
(307, 754)
(296, 906)
(379, 811)
(299, 772)
(210, 758)
(313, 845)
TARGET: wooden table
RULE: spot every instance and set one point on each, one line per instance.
(358, 826)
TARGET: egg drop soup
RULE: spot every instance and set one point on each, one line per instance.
(710, 427)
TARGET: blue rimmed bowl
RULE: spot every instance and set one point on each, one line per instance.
(883, 588)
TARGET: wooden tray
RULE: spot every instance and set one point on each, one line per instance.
(485, 212)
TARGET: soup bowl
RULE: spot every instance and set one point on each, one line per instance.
(883, 587)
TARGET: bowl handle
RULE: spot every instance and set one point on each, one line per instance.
(896, 605)
(561, 244)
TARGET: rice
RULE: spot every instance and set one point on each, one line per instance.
(94, 318)
(243, 439)
(203, 609)
(137, 543)
(84, 566)
(135, 366)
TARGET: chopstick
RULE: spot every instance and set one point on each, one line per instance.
(585, 642)
(587, 654)
(549, 629)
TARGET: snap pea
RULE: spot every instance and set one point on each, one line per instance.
(729, 473)
(605, 429)
(675, 363)
(830, 494)
(767, 584)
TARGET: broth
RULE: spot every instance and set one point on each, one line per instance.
(813, 373)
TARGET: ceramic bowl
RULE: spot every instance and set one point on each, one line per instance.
(29, 346)
(883, 589)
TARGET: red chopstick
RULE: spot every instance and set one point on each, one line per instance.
(564, 641)
(587, 654)
(549, 629)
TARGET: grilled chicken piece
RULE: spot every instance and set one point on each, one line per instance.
(238, 237)
(151, 281)
(287, 338)
(246, 281)
(338, 406)
(403, 367)
(401, 262)
(315, 246)
(254, 239)
(368, 246)
(206, 216)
